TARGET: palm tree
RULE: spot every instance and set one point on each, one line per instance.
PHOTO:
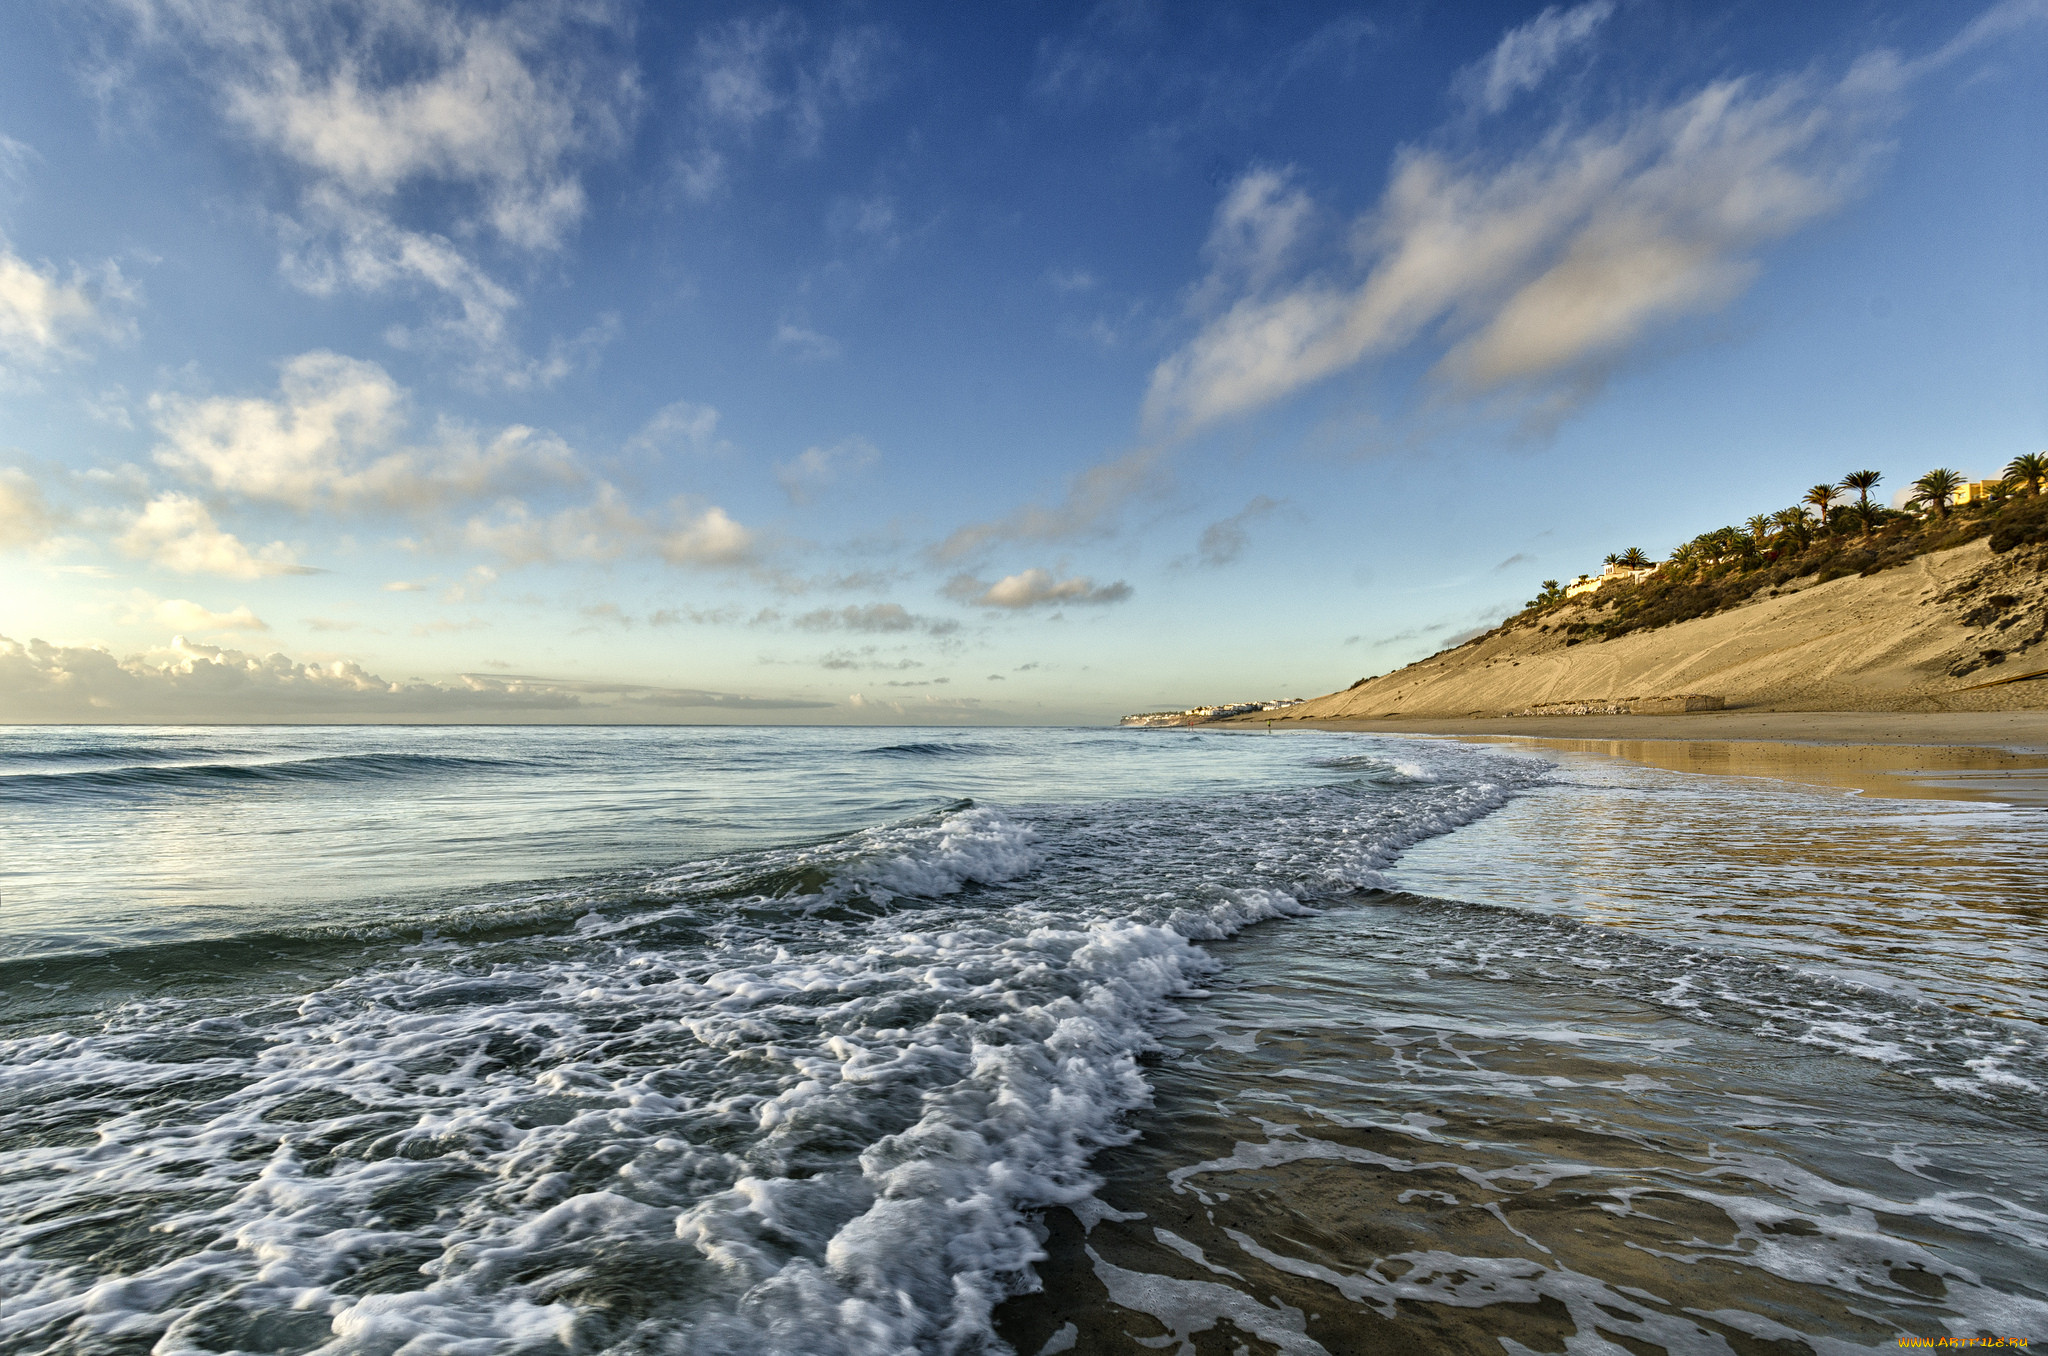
(1794, 524)
(1610, 559)
(1759, 528)
(1634, 559)
(1863, 482)
(1821, 497)
(1937, 487)
(2029, 470)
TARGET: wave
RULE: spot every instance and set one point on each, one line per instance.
(926, 749)
(118, 753)
(802, 1097)
(194, 778)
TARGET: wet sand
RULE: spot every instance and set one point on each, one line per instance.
(1997, 756)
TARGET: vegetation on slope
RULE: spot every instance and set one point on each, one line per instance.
(1730, 565)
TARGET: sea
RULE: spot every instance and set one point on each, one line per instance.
(400, 1041)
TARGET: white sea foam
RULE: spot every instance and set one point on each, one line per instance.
(808, 1128)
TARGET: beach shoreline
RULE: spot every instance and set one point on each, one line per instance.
(1984, 756)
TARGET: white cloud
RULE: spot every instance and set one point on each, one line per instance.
(182, 615)
(680, 426)
(189, 681)
(333, 439)
(1527, 54)
(608, 528)
(815, 468)
(25, 519)
(177, 532)
(43, 316)
(412, 127)
(806, 343)
(1544, 270)
(1034, 588)
(708, 537)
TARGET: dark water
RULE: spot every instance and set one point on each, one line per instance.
(856, 1041)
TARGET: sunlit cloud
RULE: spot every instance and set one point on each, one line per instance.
(335, 437)
(177, 532)
(1034, 588)
(1536, 272)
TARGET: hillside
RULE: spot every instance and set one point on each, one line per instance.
(1920, 632)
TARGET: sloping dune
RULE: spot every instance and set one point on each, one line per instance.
(1913, 638)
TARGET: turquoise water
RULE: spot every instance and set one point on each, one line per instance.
(402, 1040)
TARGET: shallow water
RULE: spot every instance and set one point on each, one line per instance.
(844, 1041)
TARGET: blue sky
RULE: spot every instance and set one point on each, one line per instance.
(571, 361)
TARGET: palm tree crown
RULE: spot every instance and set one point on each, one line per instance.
(1821, 497)
(1862, 483)
(2029, 469)
(1936, 488)
(1634, 559)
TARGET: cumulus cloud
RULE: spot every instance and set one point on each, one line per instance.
(25, 518)
(191, 681)
(177, 532)
(44, 316)
(334, 437)
(413, 127)
(879, 617)
(1034, 588)
(815, 468)
(1527, 54)
(1224, 540)
(1539, 271)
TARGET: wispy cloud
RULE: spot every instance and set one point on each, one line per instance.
(880, 617)
(415, 133)
(608, 528)
(26, 518)
(1535, 273)
(1091, 502)
(679, 427)
(777, 75)
(805, 342)
(1224, 540)
(1527, 54)
(1034, 588)
(816, 468)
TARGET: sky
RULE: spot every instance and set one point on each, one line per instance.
(937, 364)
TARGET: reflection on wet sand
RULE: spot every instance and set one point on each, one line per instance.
(1646, 1062)
(1909, 771)
(1390, 1141)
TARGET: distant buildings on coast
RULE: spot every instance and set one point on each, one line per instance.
(1199, 715)
(1613, 574)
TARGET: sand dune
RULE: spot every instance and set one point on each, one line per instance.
(1919, 637)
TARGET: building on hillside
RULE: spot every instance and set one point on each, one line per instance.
(1977, 492)
(1613, 574)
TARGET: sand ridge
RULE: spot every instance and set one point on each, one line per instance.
(1918, 637)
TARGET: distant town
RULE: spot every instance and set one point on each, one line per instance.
(1197, 715)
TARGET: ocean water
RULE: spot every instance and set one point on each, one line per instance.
(867, 1041)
